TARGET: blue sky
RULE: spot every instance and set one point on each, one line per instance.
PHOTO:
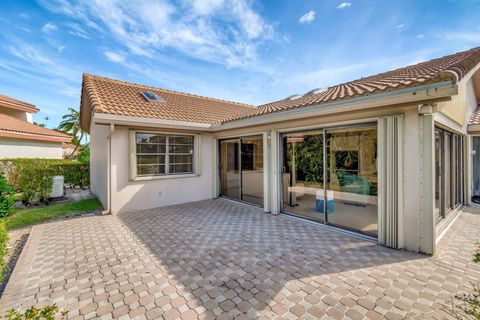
(244, 50)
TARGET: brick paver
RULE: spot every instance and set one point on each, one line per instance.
(222, 260)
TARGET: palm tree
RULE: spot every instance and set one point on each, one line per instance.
(71, 125)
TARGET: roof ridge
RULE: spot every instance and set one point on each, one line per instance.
(14, 101)
(167, 90)
(87, 79)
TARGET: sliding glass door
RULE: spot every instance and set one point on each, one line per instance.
(476, 168)
(448, 173)
(352, 178)
(241, 169)
(230, 168)
(303, 178)
(330, 176)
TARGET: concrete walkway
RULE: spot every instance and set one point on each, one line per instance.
(221, 260)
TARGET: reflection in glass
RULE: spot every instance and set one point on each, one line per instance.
(230, 170)
(449, 182)
(303, 175)
(252, 169)
(352, 178)
(448, 172)
(476, 166)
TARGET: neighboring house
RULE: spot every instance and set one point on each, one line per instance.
(21, 138)
(67, 149)
(387, 156)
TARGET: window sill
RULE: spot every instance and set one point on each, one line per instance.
(173, 176)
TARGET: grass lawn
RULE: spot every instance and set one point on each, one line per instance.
(26, 217)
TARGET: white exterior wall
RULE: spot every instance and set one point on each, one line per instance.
(99, 162)
(411, 176)
(128, 195)
(22, 115)
(24, 148)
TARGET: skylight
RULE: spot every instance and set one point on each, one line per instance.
(151, 96)
(317, 91)
(294, 97)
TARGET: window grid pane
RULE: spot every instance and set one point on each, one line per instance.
(159, 154)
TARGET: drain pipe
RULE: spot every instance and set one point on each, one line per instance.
(108, 210)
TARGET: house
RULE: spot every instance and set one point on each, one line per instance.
(391, 156)
(68, 148)
(21, 138)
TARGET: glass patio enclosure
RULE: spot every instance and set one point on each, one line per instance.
(241, 169)
(330, 176)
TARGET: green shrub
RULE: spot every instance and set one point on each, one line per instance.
(3, 248)
(34, 177)
(36, 181)
(84, 155)
(50, 312)
(74, 173)
(7, 197)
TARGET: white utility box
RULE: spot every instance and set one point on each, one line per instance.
(57, 189)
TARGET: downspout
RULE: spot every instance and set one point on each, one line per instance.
(109, 171)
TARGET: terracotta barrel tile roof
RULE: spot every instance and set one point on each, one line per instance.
(16, 128)
(122, 98)
(12, 103)
(453, 67)
(110, 96)
(475, 118)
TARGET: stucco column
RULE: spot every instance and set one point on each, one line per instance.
(411, 176)
(274, 172)
(427, 181)
(266, 171)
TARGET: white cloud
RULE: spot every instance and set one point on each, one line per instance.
(420, 36)
(205, 7)
(226, 32)
(307, 17)
(400, 26)
(344, 5)
(467, 37)
(77, 30)
(115, 56)
(48, 27)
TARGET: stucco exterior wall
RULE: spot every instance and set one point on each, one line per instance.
(99, 162)
(24, 148)
(456, 113)
(22, 115)
(129, 195)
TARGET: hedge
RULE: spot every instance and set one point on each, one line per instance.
(3, 248)
(18, 172)
(7, 197)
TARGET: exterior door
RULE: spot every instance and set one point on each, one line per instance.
(241, 169)
(230, 169)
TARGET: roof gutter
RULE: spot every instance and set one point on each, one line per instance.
(416, 95)
(473, 128)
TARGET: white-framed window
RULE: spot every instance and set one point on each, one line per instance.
(157, 154)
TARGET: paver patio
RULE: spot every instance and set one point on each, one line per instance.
(221, 260)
